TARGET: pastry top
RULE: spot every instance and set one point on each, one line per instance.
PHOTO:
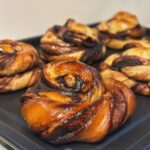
(72, 79)
(83, 32)
(120, 22)
(16, 57)
(72, 41)
(71, 102)
(19, 64)
(122, 25)
(120, 29)
(131, 58)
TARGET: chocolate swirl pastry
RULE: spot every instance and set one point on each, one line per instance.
(18, 63)
(122, 26)
(132, 67)
(72, 103)
(72, 41)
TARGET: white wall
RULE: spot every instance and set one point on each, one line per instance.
(27, 18)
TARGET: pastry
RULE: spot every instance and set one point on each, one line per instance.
(121, 27)
(18, 63)
(72, 41)
(72, 103)
(132, 67)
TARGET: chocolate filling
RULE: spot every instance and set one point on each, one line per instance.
(125, 61)
(56, 28)
(77, 86)
(129, 45)
(6, 59)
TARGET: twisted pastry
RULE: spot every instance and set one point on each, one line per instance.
(132, 67)
(121, 27)
(73, 41)
(71, 103)
(18, 63)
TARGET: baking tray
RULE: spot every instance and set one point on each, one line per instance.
(133, 135)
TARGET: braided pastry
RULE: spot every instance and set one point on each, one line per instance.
(132, 67)
(71, 103)
(73, 41)
(121, 27)
(18, 63)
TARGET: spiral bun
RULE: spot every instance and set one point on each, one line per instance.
(72, 103)
(18, 63)
(73, 41)
(132, 67)
(119, 29)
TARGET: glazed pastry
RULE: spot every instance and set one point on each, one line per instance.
(132, 67)
(122, 26)
(18, 63)
(72, 103)
(73, 41)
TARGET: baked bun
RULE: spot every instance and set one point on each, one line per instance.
(122, 26)
(18, 63)
(72, 103)
(132, 67)
(72, 41)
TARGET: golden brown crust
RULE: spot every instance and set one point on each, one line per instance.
(132, 67)
(122, 26)
(17, 63)
(73, 41)
(71, 103)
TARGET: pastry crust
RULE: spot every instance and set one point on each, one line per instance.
(72, 103)
(121, 27)
(18, 65)
(132, 67)
(18, 81)
(73, 41)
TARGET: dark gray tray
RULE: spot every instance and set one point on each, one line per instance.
(134, 135)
